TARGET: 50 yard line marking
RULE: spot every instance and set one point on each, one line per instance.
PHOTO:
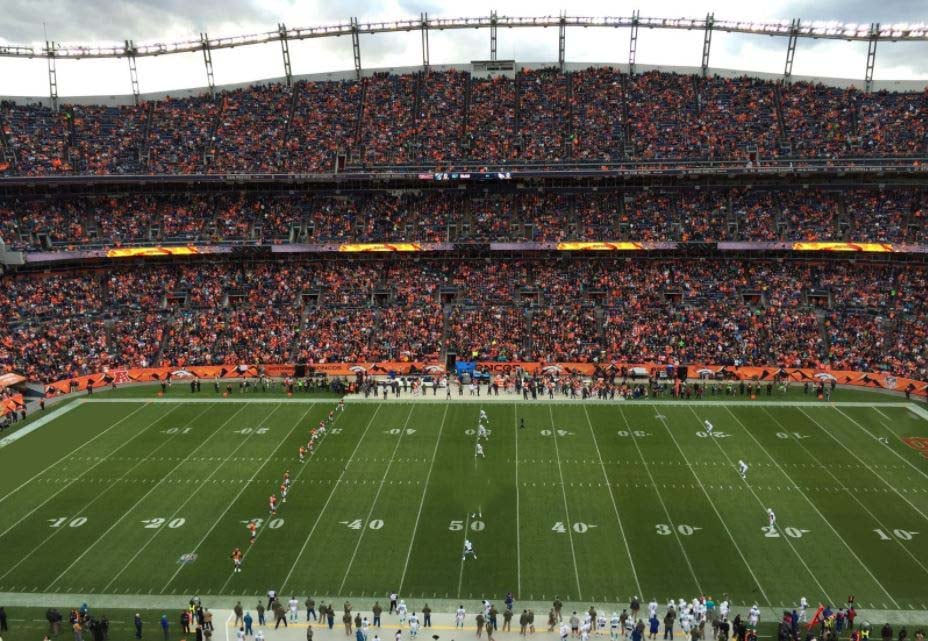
(143, 497)
(240, 492)
(189, 498)
(357, 446)
(60, 412)
(370, 512)
(570, 524)
(615, 506)
(425, 489)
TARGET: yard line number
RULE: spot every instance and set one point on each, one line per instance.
(785, 435)
(476, 526)
(155, 523)
(713, 434)
(76, 521)
(686, 530)
(177, 430)
(273, 524)
(634, 433)
(578, 527)
(357, 524)
(252, 430)
(904, 535)
(559, 433)
(772, 532)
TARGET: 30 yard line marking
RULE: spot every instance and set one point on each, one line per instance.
(570, 528)
(240, 492)
(60, 412)
(714, 508)
(425, 489)
(137, 503)
(515, 421)
(615, 506)
(95, 498)
(370, 512)
(660, 498)
(855, 498)
(811, 504)
(335, 485)
(180, 507)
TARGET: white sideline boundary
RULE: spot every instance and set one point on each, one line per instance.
(36, 424)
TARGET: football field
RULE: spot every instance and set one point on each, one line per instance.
(592, 502)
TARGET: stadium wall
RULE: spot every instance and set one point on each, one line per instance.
(901, 86)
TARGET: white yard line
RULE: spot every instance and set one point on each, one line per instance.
(137, 503)
(660, 498)
(370, 512)
(425, 490)
(515, 420)
(915, 409)
(98, 496)
(245, 486)
(898, 455)
(190, 497)
(461, 572)
(615, 506)
(714, 508)
(811, 504)
(854, 497)
(570, 528)
(54, 415)
(357, 446)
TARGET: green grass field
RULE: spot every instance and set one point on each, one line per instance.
(592, 502)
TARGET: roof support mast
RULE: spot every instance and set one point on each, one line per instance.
(52, 74)
(707, 44)
(356, 47)
(871, 54)
(633, 43)
(561, 40)
(425, 41)
(285, 52)
(133, 71)
(493, 35)
(208, 61)
(791, 50)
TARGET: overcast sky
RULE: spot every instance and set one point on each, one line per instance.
(21, 22)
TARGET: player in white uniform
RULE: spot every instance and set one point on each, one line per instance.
(459, 617)
(772, 518)
(652, 608)
(723, 609)
(413, 625)
(754, 615)
(479, 451)
(601, 624)
(483, 416)
(585, 631)
(709, 427)
(803, 606)
(742, 469)
(482, 432)
(401, 610)
(468, 550)
(614, 627)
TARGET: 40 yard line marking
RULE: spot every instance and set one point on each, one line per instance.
(335, 485)
(570, 524)
(180, 507)
(139, 502)
(370, 512)
(60, 412)
(615, 506)
(240, 492)
(660, 498)
(425, 489)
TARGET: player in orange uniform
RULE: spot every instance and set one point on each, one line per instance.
(237, 560)
(283, 493)
(302, 454)
(287, 478)
(272, 504)
(252, 531)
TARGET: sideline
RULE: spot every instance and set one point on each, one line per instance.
(39, 422)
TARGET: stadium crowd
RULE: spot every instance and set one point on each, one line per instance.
(447, 117)
(868, 317)
(865, 214)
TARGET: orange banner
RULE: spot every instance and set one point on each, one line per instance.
(600, 246)
(843, 247)
(380, 247)
(135, 252)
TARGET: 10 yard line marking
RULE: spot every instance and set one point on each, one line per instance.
(189, 498)
(570, 528)
(97, 497)
(240, 492)
(647, 468)
(370, 512)
(425, 489)
(62, 411)
(329, 499)
(715, 509)
(811, 504)
(137, 503)
(612, 496)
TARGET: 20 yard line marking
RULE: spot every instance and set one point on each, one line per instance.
(425, 490)
(240, 492)
(180, 507)
(370, 512)
(615, 506)
(660, 498)
(335, 485)
(60, 412)
(137, 503)
(570, 528)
